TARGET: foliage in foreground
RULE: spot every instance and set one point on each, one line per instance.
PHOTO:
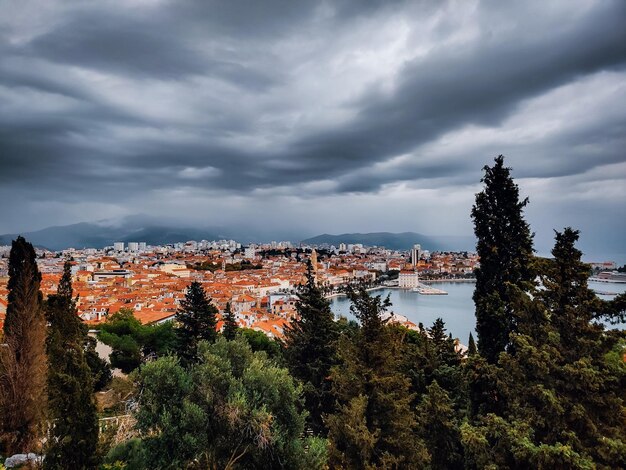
(235, 407)
(310, 350)
(73, 438)
(23, 356)
(133, 342)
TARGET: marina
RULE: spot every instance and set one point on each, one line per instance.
(424, 289)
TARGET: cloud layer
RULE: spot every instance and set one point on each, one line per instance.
(313, 116)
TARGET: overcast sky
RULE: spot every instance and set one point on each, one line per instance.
(312, 117)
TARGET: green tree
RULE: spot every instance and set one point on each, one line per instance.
(71, 404)
(121, 333)
(100, 369)
(505, 247)
(259, 341)
(590, 391)
(471, 346)
(230, 323)
(374, 425)
(233, 408)
(196, 320)
(443, 344)
(560, 395)
(133, 342)
(129, 455)
(172, 425)
(439, 428)
(23, 359)
(310, 350)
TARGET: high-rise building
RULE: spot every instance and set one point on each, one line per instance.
(133, 247)
(118, 246)
(142, 246)
(250, 252)
(415, 254)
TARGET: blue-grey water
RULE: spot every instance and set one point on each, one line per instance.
(456, 309)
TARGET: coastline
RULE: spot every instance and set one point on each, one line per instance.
(371, 289)
(425, 281)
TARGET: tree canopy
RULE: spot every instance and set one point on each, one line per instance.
(196, 320)
(505, 247)
(310, 349)
(234, 407)
(71, 404)
(23, 359)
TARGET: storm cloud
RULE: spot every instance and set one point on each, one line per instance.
(313, 116)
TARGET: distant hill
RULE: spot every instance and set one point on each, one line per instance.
(397, 241)
(94, 235)
(141, 229)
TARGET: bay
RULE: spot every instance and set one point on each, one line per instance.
(456, 309)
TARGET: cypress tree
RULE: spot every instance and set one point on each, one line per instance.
(310, 351)
(72, 408)
(196, 320)
(374, 426)
(23, 359)
(471, 346)
(504, 245)
(230, 323)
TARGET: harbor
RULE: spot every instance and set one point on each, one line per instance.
(424, 289)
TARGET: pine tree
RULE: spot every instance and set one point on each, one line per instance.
(72, 408)
(374, 426)
(571, 303)
(505, 250)
(196, 320)
(559, 399)
(592, 400)
(439, 428)
(443, 344)
(23, 360)
(471, 346)
(230, 323)
(310, 351)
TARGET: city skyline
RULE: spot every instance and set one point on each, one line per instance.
(313, 118)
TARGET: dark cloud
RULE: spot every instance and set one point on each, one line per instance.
(115, 103)
(482, 85)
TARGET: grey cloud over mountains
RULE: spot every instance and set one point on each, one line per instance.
(274, 111)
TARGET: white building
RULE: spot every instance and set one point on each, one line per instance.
(250, 252)
(118, 246)
(133, 247)
(408, 279)
(142, 246)
(379, 266)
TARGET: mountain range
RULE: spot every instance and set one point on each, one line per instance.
(397, 241)
(98, 235)
(105, 233)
